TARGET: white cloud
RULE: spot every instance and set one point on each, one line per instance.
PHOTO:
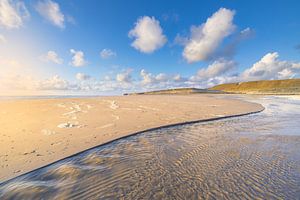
(179, 78)
(107, 53)
(21, 84)
(50, 10)
(147, 78)
(107, 78)
(161, 77)
(206, 38)
(247, 31)
(124, 77)
(148, 35)
(217, 68)
(220, 71)
(161, 80)
(12, 14)
(52, 56)
(270, 67)
(2, 39)
(82, 76)
(54, 83)
(78, 58)
(286, 74)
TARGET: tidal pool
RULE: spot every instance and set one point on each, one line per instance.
(249, 157)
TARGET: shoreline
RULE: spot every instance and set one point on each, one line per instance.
(121, 133)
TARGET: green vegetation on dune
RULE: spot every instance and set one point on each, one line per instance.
(280, 87)
(289, 86)
(176, 91)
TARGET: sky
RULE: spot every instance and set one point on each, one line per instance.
(111, 47)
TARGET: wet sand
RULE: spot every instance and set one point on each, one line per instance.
(36, 132)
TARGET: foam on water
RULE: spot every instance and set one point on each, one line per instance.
(250, 157)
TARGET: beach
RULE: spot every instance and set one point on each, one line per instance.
(36, 132)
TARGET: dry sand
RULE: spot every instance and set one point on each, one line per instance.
(37, 132)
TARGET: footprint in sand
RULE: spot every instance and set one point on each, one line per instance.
(67, 125)
(106, 125)
(47, 132)
(116, 117)
(114, 105)
(148, 108)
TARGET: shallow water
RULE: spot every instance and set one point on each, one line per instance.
(250, 157)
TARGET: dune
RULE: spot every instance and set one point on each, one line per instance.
(278, 87)
(177, 91)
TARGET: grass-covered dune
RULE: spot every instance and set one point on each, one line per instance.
(288, 87)
(176, 91)
(276, 87)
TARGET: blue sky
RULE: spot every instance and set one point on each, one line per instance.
(54, 47)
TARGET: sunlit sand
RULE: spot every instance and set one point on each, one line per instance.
(39, 131)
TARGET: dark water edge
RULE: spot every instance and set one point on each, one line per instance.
(248, 157)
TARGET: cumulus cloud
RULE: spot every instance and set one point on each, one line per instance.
(54, 83)
(82, 77)
(161, 80)
(161, 77)
(220, 71)
(22, 84)
(52, 56)
(2, 39)
(107, 78)
(206, 38)
(50, 10)
(147, 78)
(12, 13)
(179, 78)
(107, 53)
(148, 35)
(270, 67)
(78, 58)
(286, 74)
(217, 68)
(124, 77)
(150, 79)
